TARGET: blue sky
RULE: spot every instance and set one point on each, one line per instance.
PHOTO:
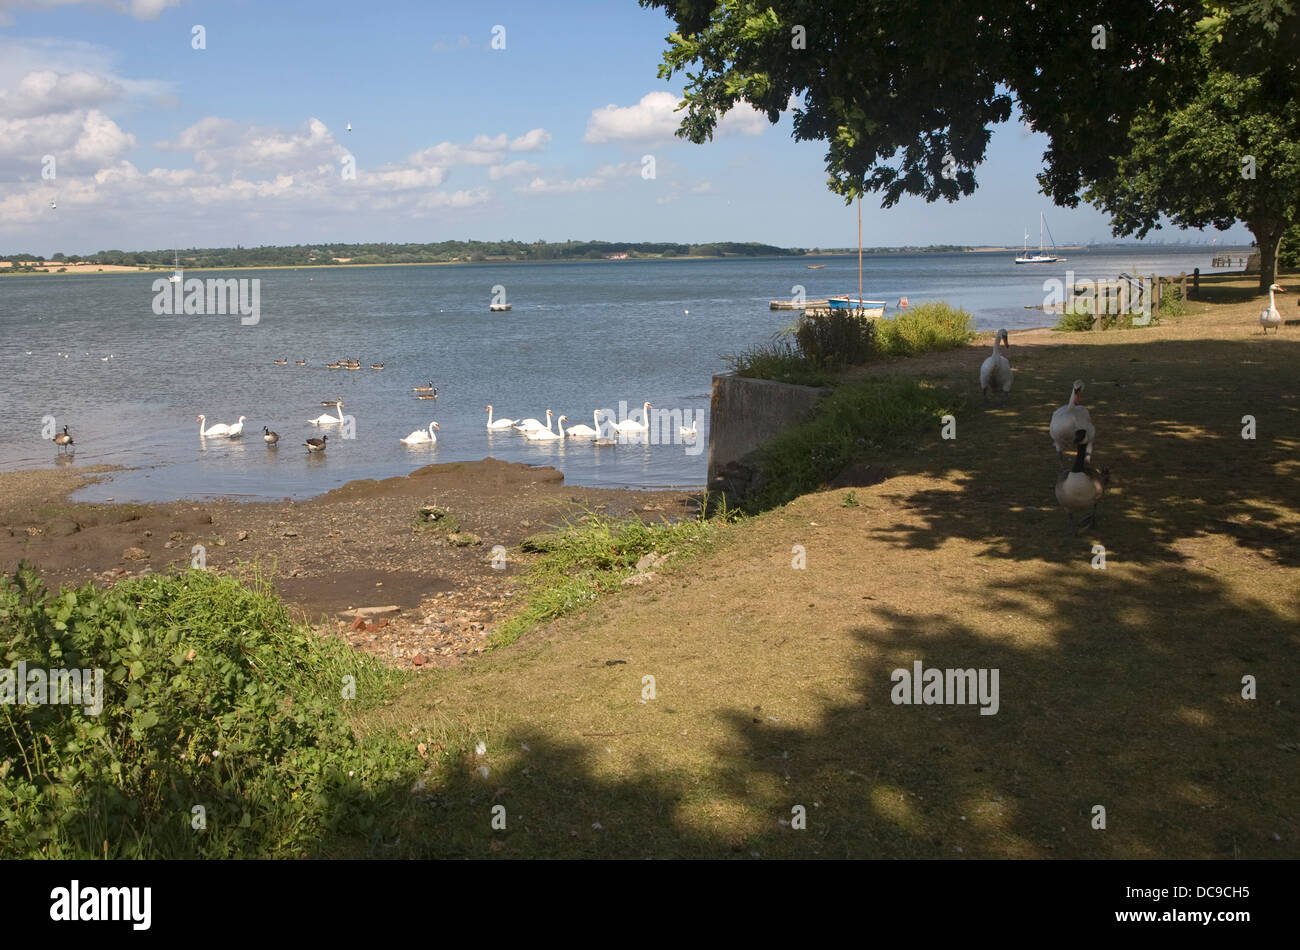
(157, 144)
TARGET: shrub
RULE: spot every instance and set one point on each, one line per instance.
(778, 359)
(1074, 321)
(930, 326)
(212, 697)
(835, 339)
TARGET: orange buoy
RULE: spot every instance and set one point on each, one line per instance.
(902, 303)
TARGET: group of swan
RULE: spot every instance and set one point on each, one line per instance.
(535, 431)
(1078, 487)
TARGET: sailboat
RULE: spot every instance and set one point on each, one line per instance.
(1041, 257)
(176, 276)
(864, 308)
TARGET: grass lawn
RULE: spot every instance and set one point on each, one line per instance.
(1119, 687)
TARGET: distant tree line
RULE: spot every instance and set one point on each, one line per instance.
(305, 255)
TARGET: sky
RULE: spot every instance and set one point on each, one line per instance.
(534, 120)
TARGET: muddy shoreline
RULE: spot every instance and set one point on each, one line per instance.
(430, 596)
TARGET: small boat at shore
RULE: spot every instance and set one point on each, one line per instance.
(868, 308)
(816, 266)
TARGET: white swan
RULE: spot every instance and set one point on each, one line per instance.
(995, 371)
(531, 425)
(546, 435)
(1069, 419)
(498, 423)
(585, 431)
(219, 428)
(325, 419)
(237, 429)
(420, 437)
(689, 435)
(1272, 317)
(628, 425)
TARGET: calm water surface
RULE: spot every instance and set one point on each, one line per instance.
(580, 337)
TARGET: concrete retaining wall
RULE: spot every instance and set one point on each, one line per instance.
(745, 413)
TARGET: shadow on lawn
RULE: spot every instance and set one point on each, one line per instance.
(1136, 704)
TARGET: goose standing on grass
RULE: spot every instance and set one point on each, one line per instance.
(584, 431)
(546, 435)
(1272, 317)
(1068, 420)
(627, 425)
(531, 425)
(420, 437)
(995, 371)
(63, 440)
(1080, 487)
(316, 445)
(237, 429)
(498, 423)
(217, 428)
(325, 419)
(269, 437)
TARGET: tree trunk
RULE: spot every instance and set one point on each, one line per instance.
(1268, 235)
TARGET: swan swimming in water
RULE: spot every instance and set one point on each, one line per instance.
(217, 428)
(237, 429)
(421, 437)
(546, 435)
(628, 425)
(531, 425)
(325, 419)
(585, 431)
(498, 423)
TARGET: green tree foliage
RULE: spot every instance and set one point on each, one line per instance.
(896, 87)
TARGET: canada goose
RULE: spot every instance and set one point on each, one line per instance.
(498, 423)
(427, 396)
(316, 445)
(995, 371)
(330, 403)
(352, 366)
(237, 429)
(423, 389)
(1081, 487)
(1272, 317)
(269, 437)
(376, 365)
(1069, 419)
(333, 365)
(63, 440)
(530, 425)
(301, 362)
(280, 362)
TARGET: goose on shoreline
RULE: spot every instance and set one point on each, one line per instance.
(1272, 317)
(995, 371)
(1069, 419)
(1080, 487)
(269, 437)
(316, 445)
(63, 440)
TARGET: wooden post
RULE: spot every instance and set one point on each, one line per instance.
(1182, 284)
(1096, 305)
(1196, 282)
(1123, 296)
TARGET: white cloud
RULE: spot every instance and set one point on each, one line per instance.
(540, 186)
(533, 140)
(45, 91)
(513, 169)
(656, 119)
(140, 9)
(77, 140)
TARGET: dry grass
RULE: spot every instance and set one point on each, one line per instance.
(1119, 687)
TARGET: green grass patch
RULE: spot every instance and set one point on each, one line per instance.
(780, 360)
(931, 326)
(592, 555)
(856, 420)
(224, 730)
